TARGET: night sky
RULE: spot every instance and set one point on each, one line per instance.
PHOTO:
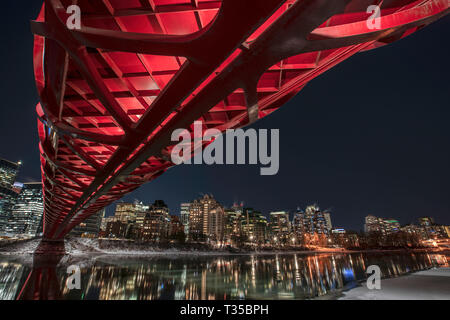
(372, 135)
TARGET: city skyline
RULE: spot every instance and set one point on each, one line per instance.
(351, 154)
(200, 219)
(111, 210)
(237, 154)
(206, 221)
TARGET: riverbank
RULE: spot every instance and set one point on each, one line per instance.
(433, 284)
(83, 246)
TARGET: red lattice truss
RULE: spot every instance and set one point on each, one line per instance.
(113, 92)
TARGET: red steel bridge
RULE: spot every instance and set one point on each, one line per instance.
(113, 91)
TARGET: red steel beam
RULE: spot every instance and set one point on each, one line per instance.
(113, 92)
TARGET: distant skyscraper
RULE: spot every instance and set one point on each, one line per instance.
(175, 227)
(90, 227)
(199, 215)
(128, 212)
(216, 223)
(156, 224)
(233, 220)
(105, 221)
(28, 211)
(8, 194)
(254, 225)
(279, 224)
(298, 226)
(430, 230)
(382, 225)
(8, 172)
(426, 221)
(184, 215)
(372, 224)
(312, 221)
(328, 224)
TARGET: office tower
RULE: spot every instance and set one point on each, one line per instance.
(317, 220)
(391, 225)
(381, 225)
(216, 224)
(297, 222)
(372, 224)
(431, 230)
(447, 231)
(156, 225)
(196, 220)
(8, 172)
(8, 193)
(90, 227)
(128, 212)
(233, 221)
(426, 221)
(175, 226)
(184, 214)
(309, 219)
(327, 217)
(312, 221)
(254, 226)
(280, 225)
(116, 229)
(159, 207)
(105, 221)
(140, 213)
(28, 211)
(199, 215)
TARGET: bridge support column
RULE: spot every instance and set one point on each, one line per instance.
(50, 247)
(43, 283)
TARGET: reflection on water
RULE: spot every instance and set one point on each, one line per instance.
(10, 275)
(282, 276)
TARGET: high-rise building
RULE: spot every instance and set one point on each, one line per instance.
(196, 221)
(175, 227)
(216, 224)
(90, 227)
(381, 225)
(199, 215)
(312, 221)
(447, 231)
(233, 221)
(431, 230)
(327, 217)
(298, 226)
(116, 229)
(105, 221)
(391, 225)
(426, 221)
(8, 172)
(8, 193)
(254, 225)
(28, 211)
(184, 215)
(372, 224)
(280, 225)
(128, 212)
(156, 225)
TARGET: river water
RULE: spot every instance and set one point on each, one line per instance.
(268, 276)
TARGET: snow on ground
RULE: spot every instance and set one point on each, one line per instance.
(433, 284)
(84, 246)
(20, 248)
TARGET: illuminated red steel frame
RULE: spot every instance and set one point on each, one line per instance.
(113, 92)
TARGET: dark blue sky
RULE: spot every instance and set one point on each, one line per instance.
(371, 135)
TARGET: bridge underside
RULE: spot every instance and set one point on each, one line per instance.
(113, 92)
